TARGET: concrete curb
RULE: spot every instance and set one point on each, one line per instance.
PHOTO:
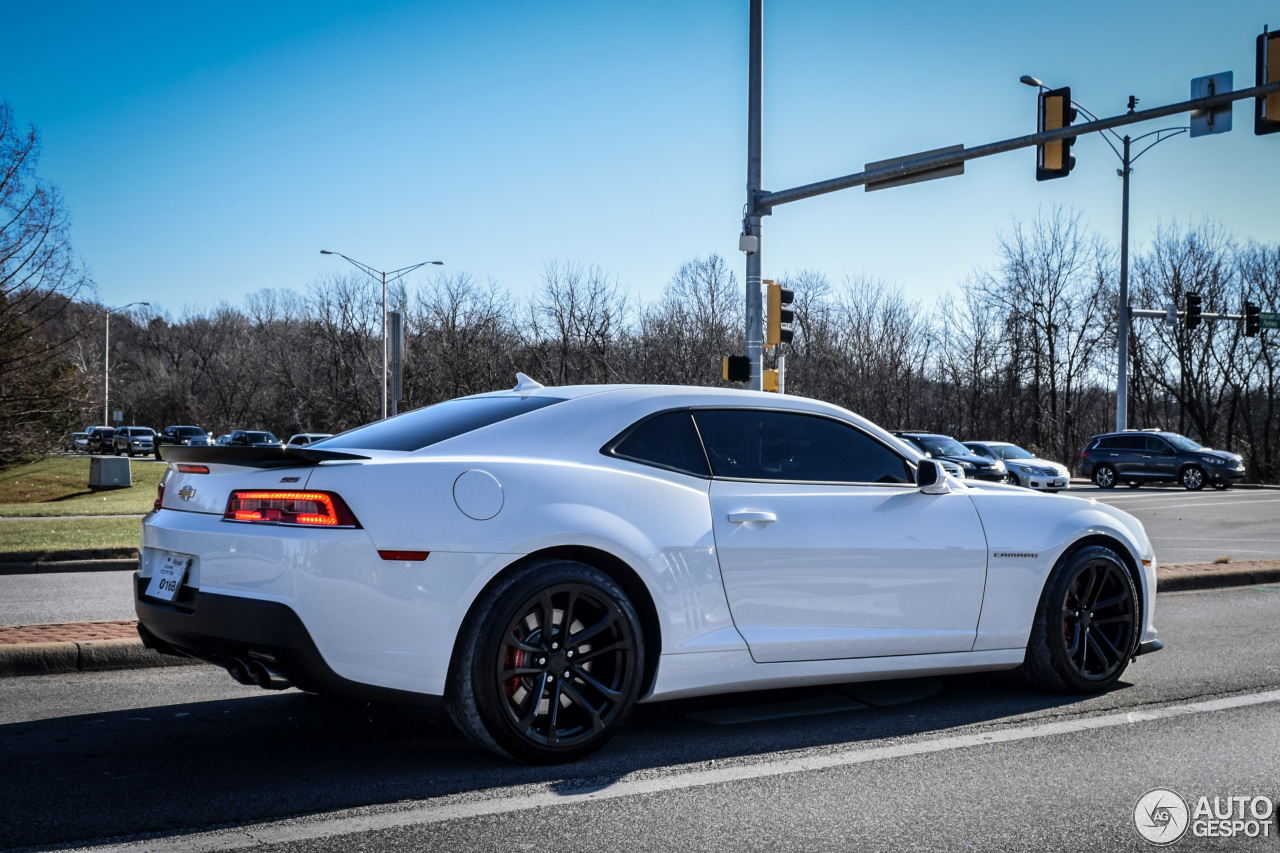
(122, 564)
(1227, 576)
(90, 656)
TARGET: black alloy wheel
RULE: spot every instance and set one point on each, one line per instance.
(556, 668)
(1085, 631)
(1104, 476)
(1192, 478)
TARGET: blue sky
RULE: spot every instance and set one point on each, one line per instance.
(208, 150)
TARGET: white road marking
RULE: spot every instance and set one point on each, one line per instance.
(1209, 503)
(507, 801)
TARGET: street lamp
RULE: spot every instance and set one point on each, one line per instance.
(1122, 312)
(382, 276)
(106, 362)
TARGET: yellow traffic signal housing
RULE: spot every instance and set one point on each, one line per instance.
(1266, 112)
(1054, 159)
(769, 381)
(736, 368)
(779, 316)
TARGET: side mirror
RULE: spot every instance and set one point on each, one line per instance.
(928, 473)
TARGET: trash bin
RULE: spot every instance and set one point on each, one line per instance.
(109, 472)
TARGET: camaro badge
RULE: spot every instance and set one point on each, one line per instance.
(1016, 556)
(186, 493)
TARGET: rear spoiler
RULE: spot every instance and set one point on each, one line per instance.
(256, 457)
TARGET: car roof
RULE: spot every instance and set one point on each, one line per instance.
(597, 413)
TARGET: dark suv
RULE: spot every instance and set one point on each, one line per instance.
(945, 447)
(188, 436)
(1136, 457)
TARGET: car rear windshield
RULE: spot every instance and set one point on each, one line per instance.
(425, 427)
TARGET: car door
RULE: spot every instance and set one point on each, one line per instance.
(1162, 460)
(826, 548)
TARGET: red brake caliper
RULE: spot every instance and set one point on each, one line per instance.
(514, 659)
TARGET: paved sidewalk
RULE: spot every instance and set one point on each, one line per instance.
(114, 644)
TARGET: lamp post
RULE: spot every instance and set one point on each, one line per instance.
(1122, 307)
(106, 362)
(383, 277)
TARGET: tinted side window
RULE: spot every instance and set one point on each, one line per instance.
(1132, 442)
(1158, 445)
(668, 441)
(1109, 443)
(784, 446)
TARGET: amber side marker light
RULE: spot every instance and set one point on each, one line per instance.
(301, 509)
(408, 556)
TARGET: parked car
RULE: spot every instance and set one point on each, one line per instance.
(946, 448)
(76, 442)
(252, 438)
(539, 560)
(186, 436)
(1023, 467)
(302, 439)
(1147, 456)
(100, 438)
(133, 440)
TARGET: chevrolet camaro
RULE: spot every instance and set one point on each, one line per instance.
(536, 561)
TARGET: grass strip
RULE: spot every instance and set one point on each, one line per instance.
(59, 485)
(78, 538)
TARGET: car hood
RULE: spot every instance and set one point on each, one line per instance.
(1220, 454)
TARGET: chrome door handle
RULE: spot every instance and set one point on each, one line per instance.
(745, 515)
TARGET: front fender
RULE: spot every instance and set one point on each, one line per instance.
(1027, 534)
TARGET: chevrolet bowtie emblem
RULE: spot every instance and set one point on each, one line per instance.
(186, 493)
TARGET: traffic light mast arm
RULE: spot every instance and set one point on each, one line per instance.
(762, 202)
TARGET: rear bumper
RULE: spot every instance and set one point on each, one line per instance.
(216, 628)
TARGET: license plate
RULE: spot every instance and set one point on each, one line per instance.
(169, 574)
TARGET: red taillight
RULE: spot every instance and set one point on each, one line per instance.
(193, 469)
(310, 509)
(410, 556)
(159, 495)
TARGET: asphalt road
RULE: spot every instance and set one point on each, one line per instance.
(1198, 527)
(976, 762)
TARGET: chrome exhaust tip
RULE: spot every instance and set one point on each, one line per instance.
(239, 670)
(267, 678)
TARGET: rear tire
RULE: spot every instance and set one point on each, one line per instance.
(1086, 625)
(549, 664)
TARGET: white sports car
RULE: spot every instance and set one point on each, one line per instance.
(540, 559)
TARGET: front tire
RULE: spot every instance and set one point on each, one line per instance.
(1192, 478)
(1013, 479)
(1104, 477)
(551, 666)
(1085, 628)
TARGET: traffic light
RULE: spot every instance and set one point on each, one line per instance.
(1252, 320)
(737, 368)
(1054, 159)
(1194, 303)
(778, 329)
(1266, 110)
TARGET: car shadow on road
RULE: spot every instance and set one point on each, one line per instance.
(165, 770)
